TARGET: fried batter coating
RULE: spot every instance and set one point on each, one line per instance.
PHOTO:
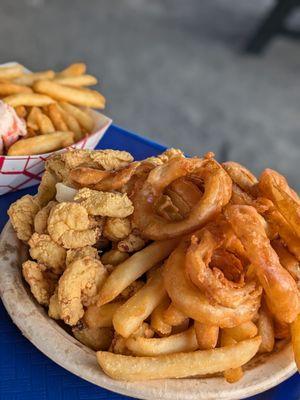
(47, 252)
(94, 338)
(116, 229)
(78, 287)
(54, 310)
(41, 282)
(105, 204)
(57, 167)
(22, 214)
(47, 190)
(132, 243)
(104, 159)
(69, 226)
(75, 254)
(41, 218)
(164, 157)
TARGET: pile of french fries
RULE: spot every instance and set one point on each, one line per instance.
(55, 105)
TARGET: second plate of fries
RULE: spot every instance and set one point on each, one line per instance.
(58, 110)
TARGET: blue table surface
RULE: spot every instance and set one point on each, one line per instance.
(27, 374)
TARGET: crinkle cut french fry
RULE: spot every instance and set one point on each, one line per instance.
(30, 78)
(28, 99)
(9, 88)
(207, 335)
(41, 144)
(74, 69)
(77, 81)
(134, 267)
(137, 308)
(181, 342)
(179, 365)
(79, 96)
(100, 317)
(85, 120)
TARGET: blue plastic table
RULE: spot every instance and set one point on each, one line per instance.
(26, 374)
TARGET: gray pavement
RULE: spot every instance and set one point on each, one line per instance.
(172, 70)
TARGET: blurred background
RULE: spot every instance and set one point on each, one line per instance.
(173, 70)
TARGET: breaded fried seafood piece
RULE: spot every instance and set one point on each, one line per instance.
(78, 287)
(69, 226)
(41, 282)
(47, 252)
(41, 218)
(21, 214)
(105, 204)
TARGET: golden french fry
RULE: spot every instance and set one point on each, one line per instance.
(100, 317)
(77, 81)
(56, 117)
(71, 123)
(21, 111)
(173, 316)
(113, 257)
(157, 322)
(134, 267)
(11, 72)
(179, 365)
(265, 330)
(30, 78)
(85, 120)
(207, 335)
(231, 375)
(181, 342)
(32, 119)
(75, 69)
(44, 122)
(9, 88)
(79, 96)
(295, 331)
(41, 144)
(28, 99)
(135, 310)
(246, 330)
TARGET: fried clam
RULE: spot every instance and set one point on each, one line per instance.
(45, 251)
(46, 189)
(86, 251)
(105, 204)
(116, 229)
(275, 187)
(193, 303)
(78, 287)
(133, 242)
(94, 338)
(280, 288)
(41, 218)
(213, 281)
(69, 226)
(42, 282)
(102, 159)
(217, 193)
(22, 214)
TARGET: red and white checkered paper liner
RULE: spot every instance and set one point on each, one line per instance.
(19, 172)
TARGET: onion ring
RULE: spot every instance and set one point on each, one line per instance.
(217, 194)
(103, 180)
(281, 289)
(241, 176)
(190, 301)
(275, 187)
(212, 282)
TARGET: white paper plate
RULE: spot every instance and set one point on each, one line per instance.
(53, 341)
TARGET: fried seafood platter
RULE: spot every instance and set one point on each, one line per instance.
(169, 267)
